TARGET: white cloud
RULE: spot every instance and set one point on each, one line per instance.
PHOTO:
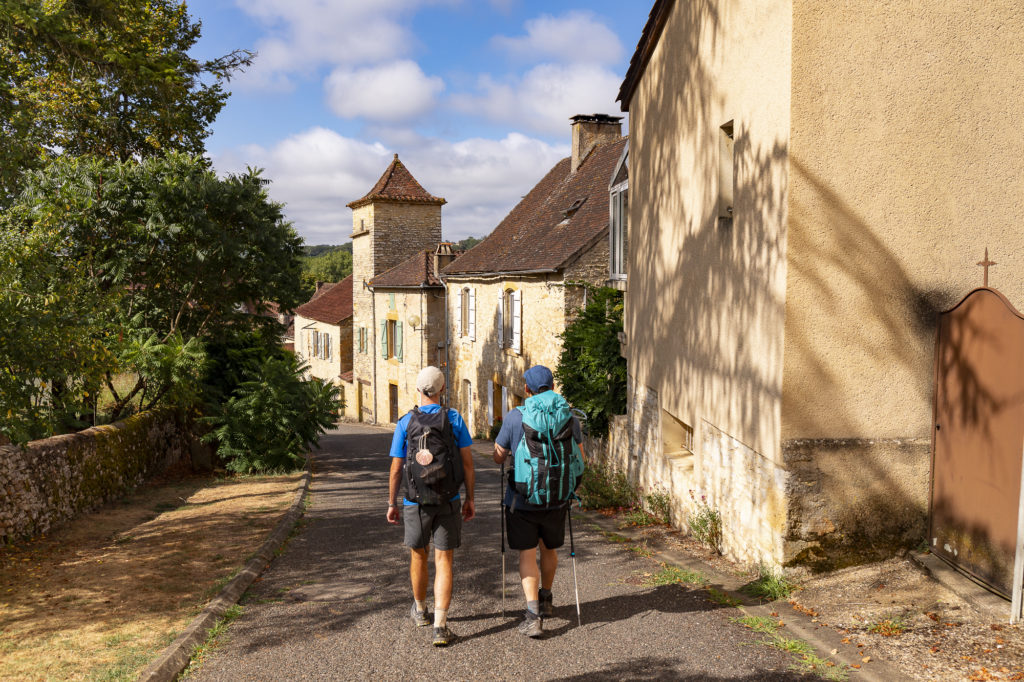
(574, 37)
(315, 173)
(544, 98)
(391, 92)
(303, 35)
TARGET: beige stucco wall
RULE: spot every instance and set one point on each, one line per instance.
(905, 163)
(482, 360)
(704, 309)
(419, 344)
(341, 348)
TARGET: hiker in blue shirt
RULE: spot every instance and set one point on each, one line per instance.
(433, 469)
(531, 525)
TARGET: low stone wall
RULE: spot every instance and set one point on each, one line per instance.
(855, 499)
(47, 482)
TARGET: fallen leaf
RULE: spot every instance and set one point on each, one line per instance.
(855, 665)
(834, 652)
(846, 640)
(935, 649)
(866, 659)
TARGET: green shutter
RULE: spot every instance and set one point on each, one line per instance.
(398, 340)
(384, 339)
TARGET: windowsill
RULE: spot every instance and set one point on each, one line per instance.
(617, 283)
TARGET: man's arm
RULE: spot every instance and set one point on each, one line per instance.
(394, 481)
(468, 507)
(500, 454)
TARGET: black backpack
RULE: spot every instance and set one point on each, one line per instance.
(435, 477)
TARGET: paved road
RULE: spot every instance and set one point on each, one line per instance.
(334, 605)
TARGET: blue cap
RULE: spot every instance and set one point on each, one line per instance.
(537, 377)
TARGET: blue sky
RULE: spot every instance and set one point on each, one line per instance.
(474, 96)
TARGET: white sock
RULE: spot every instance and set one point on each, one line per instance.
(421, 606)
(440, 617)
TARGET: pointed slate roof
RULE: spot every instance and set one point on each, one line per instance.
(564, 214)
(331, 304)
(398, 184)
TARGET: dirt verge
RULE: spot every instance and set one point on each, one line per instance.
(102, 596)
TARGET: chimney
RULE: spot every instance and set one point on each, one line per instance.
(590, 130)
(319, 284)
(443, 255)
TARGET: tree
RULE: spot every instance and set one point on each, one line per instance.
(328, 266)
(109, 78)
(591, 369)
(180, 249)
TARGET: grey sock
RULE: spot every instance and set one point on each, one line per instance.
(533, 606)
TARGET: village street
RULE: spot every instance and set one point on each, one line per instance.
(335, 604)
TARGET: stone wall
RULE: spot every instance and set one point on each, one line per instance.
(50, 481)
(855, 499)
(592, 267)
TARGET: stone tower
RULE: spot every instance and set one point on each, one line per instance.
(396, 219)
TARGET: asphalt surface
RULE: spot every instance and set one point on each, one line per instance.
(335, 604)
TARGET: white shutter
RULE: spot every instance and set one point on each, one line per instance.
(490, 402)
(501, 321)
(504, 401)
(457, 313)
(517, 321)
(472, 314)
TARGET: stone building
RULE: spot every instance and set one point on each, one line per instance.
(511, 295)
(322, 333)
(394, 227)
(408, 303)
(800, 209)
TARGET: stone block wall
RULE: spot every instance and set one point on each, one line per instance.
(592, 266)
(48, 482)
(855, 499)
(482, 360)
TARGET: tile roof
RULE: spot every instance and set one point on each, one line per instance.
(331, 304)
(541, 232)
(644, 49)
(415, 272)
(398, 184)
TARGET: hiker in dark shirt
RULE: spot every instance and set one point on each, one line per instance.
(532, 525)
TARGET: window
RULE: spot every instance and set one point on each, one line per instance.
(466, 319)
(510, 320)
(726, 173)
(361, 339)
(618, 219)
(391, 339)
(318, 345)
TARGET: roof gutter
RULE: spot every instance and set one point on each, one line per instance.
(500, 275)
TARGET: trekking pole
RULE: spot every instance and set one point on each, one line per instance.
(501, 497)
(575, 582)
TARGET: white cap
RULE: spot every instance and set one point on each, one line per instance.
(430, 381)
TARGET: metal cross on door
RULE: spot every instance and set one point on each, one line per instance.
(978, 437)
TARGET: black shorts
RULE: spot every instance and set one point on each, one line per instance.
(437, 523)
(525, 528)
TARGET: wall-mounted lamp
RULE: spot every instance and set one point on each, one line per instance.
(414, 322)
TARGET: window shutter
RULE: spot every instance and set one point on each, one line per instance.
(384, 339)
(490, 402)
(501, 320)
(504, 401)
(329, 348)
(457, 313)
(309, 344)
(362, 339)
(517, 321)
(398, 341)
(472, 314)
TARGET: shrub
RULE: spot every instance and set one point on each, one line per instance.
(770, 584)
(271, 420)
(659, 505)
(705, 524)
(603, 488)
(495, 428)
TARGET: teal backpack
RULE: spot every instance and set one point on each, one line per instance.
(548, 462)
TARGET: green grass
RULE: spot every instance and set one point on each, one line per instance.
(758, 624)
(641, 550)
(769, 585)
(811, 663)
(130, 661)
(203, 651)
(615, 537)
(638, 517)
(675, 575)
(721, 598)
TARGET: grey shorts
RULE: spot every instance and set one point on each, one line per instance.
(440, 524)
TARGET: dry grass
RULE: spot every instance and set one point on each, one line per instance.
(100, 598)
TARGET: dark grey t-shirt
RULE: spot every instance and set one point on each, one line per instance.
(508, 437)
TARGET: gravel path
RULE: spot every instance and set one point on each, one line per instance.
(335, 604)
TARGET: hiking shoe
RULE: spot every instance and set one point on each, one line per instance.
(547, 605)
(419, 617)
(443, 636)
(532, 625)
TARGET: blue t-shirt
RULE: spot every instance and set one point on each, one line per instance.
(508, 437)
(462, 437)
